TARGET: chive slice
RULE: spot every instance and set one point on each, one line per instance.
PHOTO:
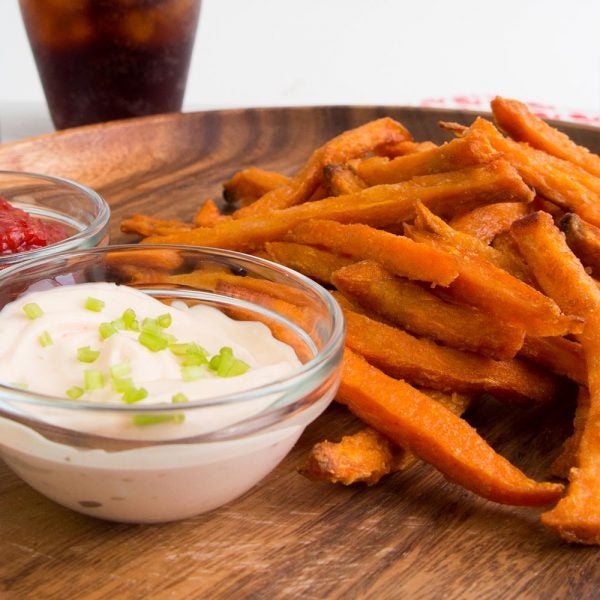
(180, 349)
(179, 398)
(86, 355)
(134, 395)
(122, 385)
(143, 420)
(155, 341)
(106, 330)
(239, 367)
(120, 370)
(45, 339)
(74, 392)
(165, 320)
(129, 319)
(93, 304)
(33, 310)
(192, 373)
(93, 379)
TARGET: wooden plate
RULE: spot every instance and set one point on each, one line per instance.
(415, 535)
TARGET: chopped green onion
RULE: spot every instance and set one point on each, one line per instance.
(86, 355)
(155, 341)
(179, 398)
(180, 349)
(118, 323)
(93, 380)
(122, 385)
(120, 370)
(225, 364)
(142, 420)
(74, 393)
(150, 324)
(106, 330)
(94, 304)
(239, 367)
(165, 320)
(130, 320)
(45, 339)
(192, 373)
(32, 310)
(134, 395)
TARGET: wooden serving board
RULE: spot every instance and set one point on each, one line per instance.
(414, 535)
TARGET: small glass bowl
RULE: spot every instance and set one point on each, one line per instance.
(81, 211)
(70, 451)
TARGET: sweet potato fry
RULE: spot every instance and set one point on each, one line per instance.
(308, 260)
(557, 354)
(522, 125)
(366, 456)
(421, 362)
(412, 420)
(568, 457)
(558, 271)
(486, 222)
(208, 214)
(421, 312)
(350, 144)
(562, 182)
(398, 254)
(146, 225)
(406, 147)
(165, 259)
(341, 179)
(584, 239)
(576, 518)
(472, 149)
(248, 185)
(379, 206)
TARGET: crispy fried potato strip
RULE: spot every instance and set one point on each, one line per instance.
(584, 239)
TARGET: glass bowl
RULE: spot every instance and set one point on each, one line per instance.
(78, 210)
(197, 455)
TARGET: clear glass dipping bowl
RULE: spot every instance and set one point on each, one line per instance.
(79, 209)
(67, 450)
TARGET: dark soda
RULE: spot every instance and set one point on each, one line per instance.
(100, 60)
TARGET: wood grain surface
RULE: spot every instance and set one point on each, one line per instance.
(415, 535)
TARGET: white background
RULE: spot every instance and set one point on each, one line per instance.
(292, 52)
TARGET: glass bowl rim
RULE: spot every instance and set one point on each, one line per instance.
(99, 223)
(295, 380)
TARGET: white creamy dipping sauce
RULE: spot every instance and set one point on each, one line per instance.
(51, 340)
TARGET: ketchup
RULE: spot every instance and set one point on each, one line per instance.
(19, 231)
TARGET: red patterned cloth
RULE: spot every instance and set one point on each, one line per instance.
(482, 103)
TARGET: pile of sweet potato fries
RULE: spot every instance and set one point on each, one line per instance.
(463, 268)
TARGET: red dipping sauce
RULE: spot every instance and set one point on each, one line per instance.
(20, 231)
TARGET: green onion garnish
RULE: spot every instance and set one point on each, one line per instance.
(155, 341)
(142, 420)
(86, 355)
(134, 395)
(179, 398)
(165, 320)
(32, 310)
(106, 330)
(120, 370)
(192, 373)
(130, 321)
(74, 392)
(93, 380)
(239, 367)
(45, 339)
(122, 385)
(118, 323)
(94, 304)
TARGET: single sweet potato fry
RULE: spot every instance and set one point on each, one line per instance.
(486, 222)
(422, 362)
(413, 420)
(165, 259)
(421, 312)
(522, 125)
(557, 270)
(208, 214)
(584, 239)
(349, 144)
(405, 147)
(341, 179)
(248, 185)
(146, 225)
(472, 149)
(380, 206)
(310, 261)
(398, 254)
(557, 354)
(576, 518)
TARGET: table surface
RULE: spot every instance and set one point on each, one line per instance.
(415, 535)
(272, 53)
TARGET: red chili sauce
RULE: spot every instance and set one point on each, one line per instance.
(20, 231)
